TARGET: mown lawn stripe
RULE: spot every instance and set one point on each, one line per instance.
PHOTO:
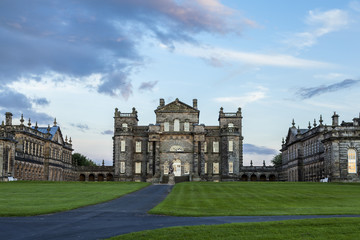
(260, 198)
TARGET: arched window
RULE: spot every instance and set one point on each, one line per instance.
(176, 125)
(351, 161)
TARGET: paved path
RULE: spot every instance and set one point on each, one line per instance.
(119, 216)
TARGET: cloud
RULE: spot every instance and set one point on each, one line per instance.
(81, 38)
(82, 127)
(219, 57)
(107, 132)
(17, 103)
(330, 76)
(321, 23)
(147, 86)
(41, 101)
(243, 100)
(355, 5)
(306, 93)
(213, 61)
(253, 149)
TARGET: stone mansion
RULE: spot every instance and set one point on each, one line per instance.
(178, 143)
(177, 140)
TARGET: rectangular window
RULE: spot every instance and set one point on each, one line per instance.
(351, 161)
(205, 168)
(166, 126)
(187, 168)
(166, 168)
(231, 146)
(149, 145)
(205, 146)
(138, 167)
(122, 146)
(215, 147)
(138, 147)
(122, 167)
(231, 167)
(216, 168)
(186, 126)
(176, 125)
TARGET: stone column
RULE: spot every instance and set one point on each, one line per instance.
(150, 158)
(202, 159)
(157, 160)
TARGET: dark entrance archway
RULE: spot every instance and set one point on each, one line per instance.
(82, 177)
(262, 177)
(244, 177)
(91, 177)
(109, 177)
(100, 177)
(253, 178)
(272, 177)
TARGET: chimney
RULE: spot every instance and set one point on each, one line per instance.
(162, 102)
(335, 119)
(8, 118)
(195, 103)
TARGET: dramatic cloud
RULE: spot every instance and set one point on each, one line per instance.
(306, 93)
(321, 23)
(81, 38)
(246, 99)
(253, 149)
(219, 57)
(80, 126)
(147, 86)
(107, 132)
(41, 101)
(17, 104)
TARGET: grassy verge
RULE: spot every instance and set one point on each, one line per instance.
(33, 198)
(319, 229)
(260, 198)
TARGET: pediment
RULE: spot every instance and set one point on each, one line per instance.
(176, 106)
(291, 136)
(58, 137)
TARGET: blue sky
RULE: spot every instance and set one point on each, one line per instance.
(278, 60)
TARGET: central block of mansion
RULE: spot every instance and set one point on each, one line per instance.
(178, 143)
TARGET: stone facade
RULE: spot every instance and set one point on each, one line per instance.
(34, 153)
(177, 141)
(322, 151)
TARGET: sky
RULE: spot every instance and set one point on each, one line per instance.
(277, 60)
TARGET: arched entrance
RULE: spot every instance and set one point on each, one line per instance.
(177, 168)
(253, 177)
(262, 177)
(109, 177)
(100, 177)
(272, 177)
(82, 177)
(244, 177)
(91, 177)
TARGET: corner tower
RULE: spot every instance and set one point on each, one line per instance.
(231, 142)
(123, 141)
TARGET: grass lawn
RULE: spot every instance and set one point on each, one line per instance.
(319, 229)
(260, 198)
(33, 198)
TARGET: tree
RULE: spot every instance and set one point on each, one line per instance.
(277, 160)
(81, 160)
